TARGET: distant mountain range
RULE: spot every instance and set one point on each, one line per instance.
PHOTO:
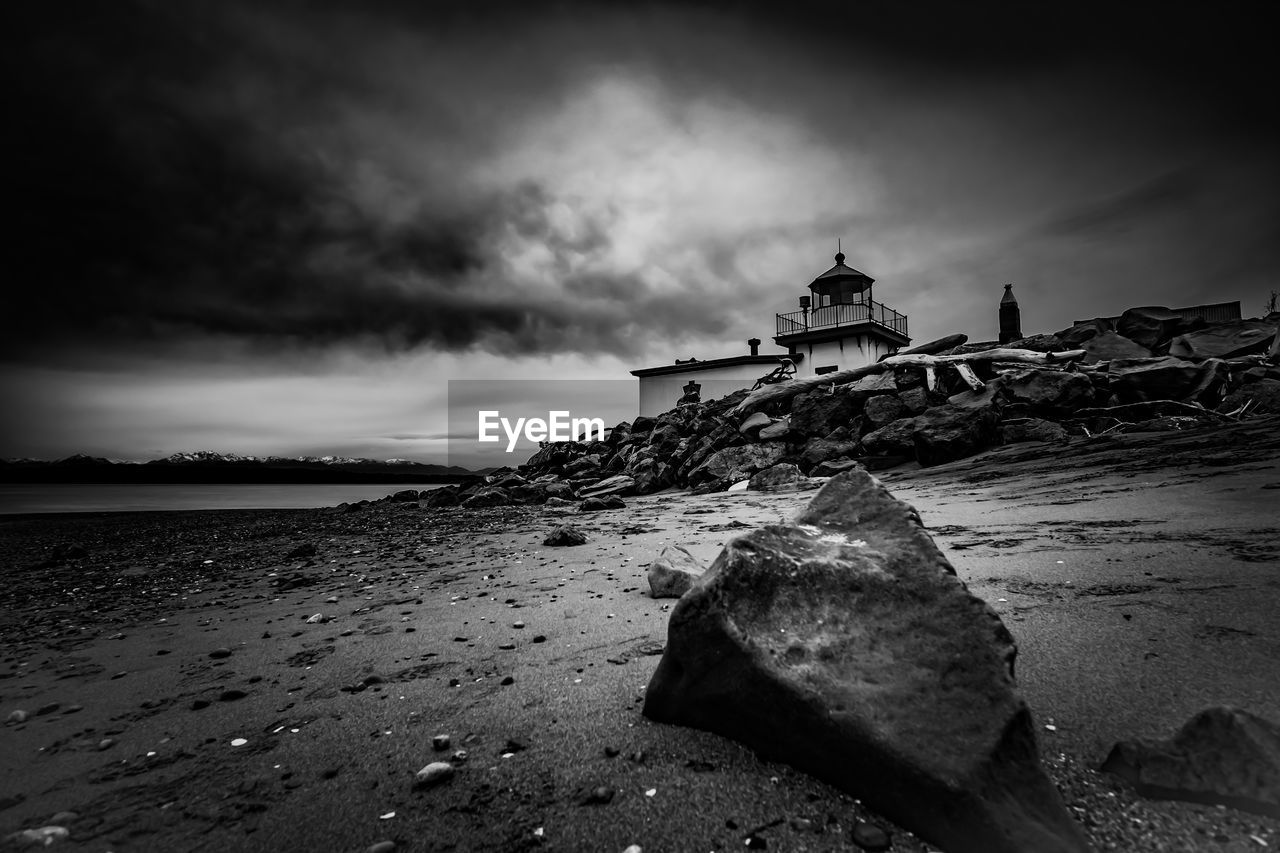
(206, 467)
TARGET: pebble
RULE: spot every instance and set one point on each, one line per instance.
(106, 743)
(517, 625)
(507, 681)
(434, 774)
(319, 617)
(199, 704)
(381, 847)
(47, 709)
(755, 842)
(231, 695)
(506, 647)
(539, 639)
(238, 741)
(220, 653)
(18, 716)
(64, 817)
(440, 743)
(868, 836)
(459, 756)
(599, 796)
(333, 599)
(634, 848)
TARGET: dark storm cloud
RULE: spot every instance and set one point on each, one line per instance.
(310, 173)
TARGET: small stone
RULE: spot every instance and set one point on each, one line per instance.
(459, 756)
(333, 599)
(239, 741)
(517, 625)
(565, 534)
(74, 709)
(634, 848)
(598, 796)
(611, 751)
(381, 847)
(219, 654)
(15, 717)
(199, 704)
(231, 695)
(540, 639)
(868, 836)
(440, 743)
(47, 709)
(506, 647)
(106, 743)
(507, 681)
(435, 773)
(64, 817)
(318, 617)
(755, 842)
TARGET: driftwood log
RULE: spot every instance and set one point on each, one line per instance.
(930, 363)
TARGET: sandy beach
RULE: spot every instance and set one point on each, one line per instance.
(190, 686)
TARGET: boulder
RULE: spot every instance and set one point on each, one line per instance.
(737, 463)
(557, 489)
(884, 408)
(1074, 337)
(565, 534)
(1032, 429)
(650, 476)
(488, 496)
(834, 466)
(446, 496)
(780, 477)
(870, 386)
(598, 504)
(817, 413)
(642, 424)
(663, 440)
(914, 401)
(1167, 378)
(819, 450)
(893, 439)
(845, 645)
(1221, 756)
(1151, 327)
(583, 465)
(1225, 340)
(1109, 346)
(1049, 392)
(618, 485)
(947, 433)
(405, 495)
(673, 573)
(552, 503)
(1263, 397)
(507, 481)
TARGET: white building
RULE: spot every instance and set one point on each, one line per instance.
(838, 326)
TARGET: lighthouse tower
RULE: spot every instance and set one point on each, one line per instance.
(839, 325)
(1010, 316)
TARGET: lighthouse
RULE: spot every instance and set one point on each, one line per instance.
(839, 325)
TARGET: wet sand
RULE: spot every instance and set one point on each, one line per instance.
(1139, 574)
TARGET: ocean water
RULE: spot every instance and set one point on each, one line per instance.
(94, 497)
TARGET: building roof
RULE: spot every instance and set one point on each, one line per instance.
(840, 273)
(693, 365)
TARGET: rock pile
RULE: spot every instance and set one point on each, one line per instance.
(1149, 370)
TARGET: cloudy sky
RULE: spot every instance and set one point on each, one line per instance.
(282, 227)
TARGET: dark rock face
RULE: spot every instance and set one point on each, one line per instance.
(673, 573)
(736, 463)
(946, 433)
(895, 439)
(1079, 333)
(1032, 429)
(1151, 327)
(1109, 346)
(1168, 378)
(844, 645)
(1220, 756)
(914, 400)
(817, 413)
(819, 450)
(1049, 392)
(1225, 340)
(834, 466)
(781, 476)
(565, 534)
(618, 485)
(884, 408)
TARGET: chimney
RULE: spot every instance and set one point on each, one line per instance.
(1010, 317)
(754, 343)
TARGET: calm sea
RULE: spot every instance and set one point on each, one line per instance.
(84, 497)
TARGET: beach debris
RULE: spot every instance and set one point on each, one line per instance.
(673, 573)
(45, 836)
(435, 773)
(1222, 756)
(800, 621)
(440, 743)
(868, 836)
(565, 534)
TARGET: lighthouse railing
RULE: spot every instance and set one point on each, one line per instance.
(841, 314)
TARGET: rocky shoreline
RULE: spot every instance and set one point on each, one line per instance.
(235, 679)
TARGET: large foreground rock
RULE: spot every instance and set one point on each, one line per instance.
(1225, 340)
(1221, 756)
(844, 645)
(673, 573)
